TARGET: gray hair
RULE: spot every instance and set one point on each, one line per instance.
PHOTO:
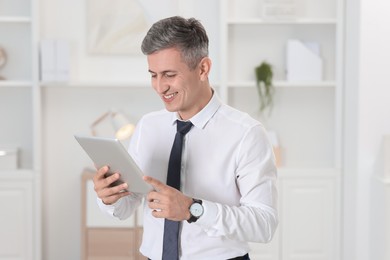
(188, 35)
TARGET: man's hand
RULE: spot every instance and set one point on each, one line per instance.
(109, 195)
(167, 202)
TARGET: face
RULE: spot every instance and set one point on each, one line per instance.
(182, 90)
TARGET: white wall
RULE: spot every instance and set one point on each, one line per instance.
(367, 114)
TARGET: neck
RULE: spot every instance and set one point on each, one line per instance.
(203, 100)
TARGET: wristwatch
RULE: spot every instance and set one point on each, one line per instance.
(196, 210)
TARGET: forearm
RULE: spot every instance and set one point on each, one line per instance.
(243, 223)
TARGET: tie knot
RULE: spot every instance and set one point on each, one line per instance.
(183, 127)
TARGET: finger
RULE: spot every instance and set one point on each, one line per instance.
(155, 205)
(112, 193)
(101, 172)
(158, 185)
(105, 182)
(111, 179)
(114, 198)
(153, 195)
(158, 214)
(119, 188)
(99, 179)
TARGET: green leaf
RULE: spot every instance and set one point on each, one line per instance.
(265, 89)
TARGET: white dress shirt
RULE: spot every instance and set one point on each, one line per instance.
(227, 162)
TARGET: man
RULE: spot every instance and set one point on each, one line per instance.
(227, 194)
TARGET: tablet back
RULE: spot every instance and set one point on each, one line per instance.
(108, 151)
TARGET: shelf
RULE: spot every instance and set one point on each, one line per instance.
(91, 84)
(285, 84)
(15, 83)
(286, 172)
(16, 174)
(15, 19)
(300, 21)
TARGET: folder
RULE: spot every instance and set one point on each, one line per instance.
(303, 61)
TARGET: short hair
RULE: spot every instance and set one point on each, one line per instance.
(188, 35)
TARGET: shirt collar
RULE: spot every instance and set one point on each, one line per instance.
(202, 117)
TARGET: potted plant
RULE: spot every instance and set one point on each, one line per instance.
(264, 86)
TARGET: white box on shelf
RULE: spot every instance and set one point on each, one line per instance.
(54, 60)
(303, 61)
(279, 9)
(62, 60)
(48, 63)
(8, 158)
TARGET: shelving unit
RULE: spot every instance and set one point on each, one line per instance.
(20, 127)
(306, 117)
(247, 39)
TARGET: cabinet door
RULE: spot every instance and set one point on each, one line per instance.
(309, 219)
(16, 220)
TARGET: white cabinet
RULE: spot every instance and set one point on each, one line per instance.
(20, 218)
(16, 218)
(309, 215)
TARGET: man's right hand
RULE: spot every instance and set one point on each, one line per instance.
(102, 185)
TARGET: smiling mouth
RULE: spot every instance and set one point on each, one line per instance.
(170, 96)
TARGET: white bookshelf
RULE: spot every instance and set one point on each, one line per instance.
(19, 113)
(306, 117)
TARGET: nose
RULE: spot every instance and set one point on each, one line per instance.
(160, 85)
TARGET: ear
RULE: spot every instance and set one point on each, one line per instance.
(204, 68)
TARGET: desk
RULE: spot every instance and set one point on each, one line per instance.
(104, 238)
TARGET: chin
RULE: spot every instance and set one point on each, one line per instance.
(171, 108)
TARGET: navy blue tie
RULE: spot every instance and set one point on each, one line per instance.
(171, 228)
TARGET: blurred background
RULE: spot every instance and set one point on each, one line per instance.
(66, 65)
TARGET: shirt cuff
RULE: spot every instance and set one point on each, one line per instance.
(209, 214)
(108, 209)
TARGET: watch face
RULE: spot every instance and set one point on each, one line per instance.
(196, 210)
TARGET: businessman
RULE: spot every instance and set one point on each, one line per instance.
(212, 167)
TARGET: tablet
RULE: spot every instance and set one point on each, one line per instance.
(109, 151)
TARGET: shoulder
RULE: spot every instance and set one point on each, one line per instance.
(156, 117)
(235, 117)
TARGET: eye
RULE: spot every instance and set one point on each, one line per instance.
(153, 75)
(170, 75)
